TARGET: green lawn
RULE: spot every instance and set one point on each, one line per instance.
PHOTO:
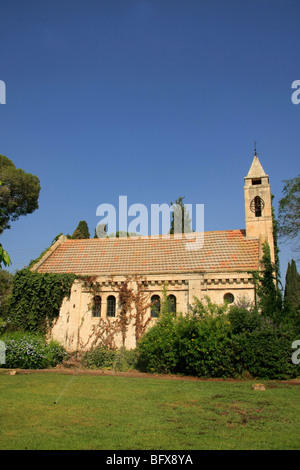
(122, 413)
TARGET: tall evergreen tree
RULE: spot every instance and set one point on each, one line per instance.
(82, 231)
(292, 288)
(181, 221)
(267, 289)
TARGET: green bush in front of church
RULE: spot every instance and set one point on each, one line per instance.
(240, 343)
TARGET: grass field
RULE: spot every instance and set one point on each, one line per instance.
(124, 413)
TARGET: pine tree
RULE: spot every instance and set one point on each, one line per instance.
(82, 231)
(292, 288)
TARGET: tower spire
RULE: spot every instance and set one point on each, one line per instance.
(258, 205)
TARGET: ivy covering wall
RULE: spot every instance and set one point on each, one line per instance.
(36, 299)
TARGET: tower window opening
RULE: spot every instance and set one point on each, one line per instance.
(258, 206)
(256, 181)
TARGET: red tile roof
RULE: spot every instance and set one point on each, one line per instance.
(221, 251)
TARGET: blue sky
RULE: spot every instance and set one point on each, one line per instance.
(152, 99)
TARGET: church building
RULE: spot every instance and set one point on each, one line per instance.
(220, 269)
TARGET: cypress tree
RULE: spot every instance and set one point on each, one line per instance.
(181, 221)
(82, 231)
(292, 288)
(269, 294)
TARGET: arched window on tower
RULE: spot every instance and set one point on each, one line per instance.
(257, 205)
(258, 208)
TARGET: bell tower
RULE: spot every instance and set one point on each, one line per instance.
(258, 205)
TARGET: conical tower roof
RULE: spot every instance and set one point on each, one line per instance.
(256, 170)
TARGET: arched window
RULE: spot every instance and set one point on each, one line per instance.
(172, 303)
(229, 298)
(155, 305)
(97, 306)
(257, 205)
(111, 306)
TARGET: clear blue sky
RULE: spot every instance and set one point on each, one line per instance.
(152, 99)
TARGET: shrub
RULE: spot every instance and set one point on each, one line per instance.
(220, 345)
(266, 351)
(29, 351)
(99, 357)
(204, 347)
(125, 359)
(189, 345)
(105, 358)
(157, 351)
(242, 320)
(55, 353)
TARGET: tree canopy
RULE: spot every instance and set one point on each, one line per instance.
(289, 210)
(4, 257)
(19, 192)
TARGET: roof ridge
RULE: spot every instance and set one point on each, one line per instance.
(169, 236)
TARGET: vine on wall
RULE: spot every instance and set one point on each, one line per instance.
(134, 302)
(105, 331)
(36, 299)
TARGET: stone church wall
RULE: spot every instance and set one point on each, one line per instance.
(77, 328)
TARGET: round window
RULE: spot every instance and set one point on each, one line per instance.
(229, 298)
